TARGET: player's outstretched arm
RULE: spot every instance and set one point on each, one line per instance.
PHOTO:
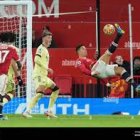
(84, 70)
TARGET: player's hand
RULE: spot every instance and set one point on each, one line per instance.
(50, 71)
(20, 82)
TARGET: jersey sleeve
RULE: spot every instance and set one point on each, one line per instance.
(82, 68)
(37, 59)
(38, 56)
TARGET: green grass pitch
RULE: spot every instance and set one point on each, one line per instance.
(72, 121)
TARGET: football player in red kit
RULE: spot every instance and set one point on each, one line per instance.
(8, 56)
(101, 68)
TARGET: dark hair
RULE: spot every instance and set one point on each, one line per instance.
(136, 57)
(8, 37)
(78, 47)
(46, 28)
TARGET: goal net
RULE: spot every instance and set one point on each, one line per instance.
(16, 16)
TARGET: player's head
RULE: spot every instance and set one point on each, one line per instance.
(8, 37)
(47, 37)
(81, 50)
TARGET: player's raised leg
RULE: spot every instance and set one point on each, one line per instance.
(120, 70)
(106, 56)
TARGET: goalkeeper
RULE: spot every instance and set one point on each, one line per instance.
(40, 76)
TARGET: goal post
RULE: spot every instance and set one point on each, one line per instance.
(131, 46)
(16, 16)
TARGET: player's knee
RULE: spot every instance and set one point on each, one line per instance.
(7, 98)
(41, 89)
(55, 88)
(118, 70)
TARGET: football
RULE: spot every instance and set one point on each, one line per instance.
(137, 89)
(109, 29)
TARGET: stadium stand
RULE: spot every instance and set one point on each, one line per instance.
(64, 82)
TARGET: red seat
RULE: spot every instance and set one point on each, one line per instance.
(64, 82)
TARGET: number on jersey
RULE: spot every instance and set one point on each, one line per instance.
(3, 55)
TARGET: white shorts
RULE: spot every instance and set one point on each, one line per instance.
(3, 84)
(102, 70)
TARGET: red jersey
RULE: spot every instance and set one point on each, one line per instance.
(7, 53)
(85, 64)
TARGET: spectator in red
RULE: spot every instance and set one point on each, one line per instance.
(118, 87)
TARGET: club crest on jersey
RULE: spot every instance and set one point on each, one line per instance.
(40, 50)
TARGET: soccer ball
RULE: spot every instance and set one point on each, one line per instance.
(137, 89)
(109, 29)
